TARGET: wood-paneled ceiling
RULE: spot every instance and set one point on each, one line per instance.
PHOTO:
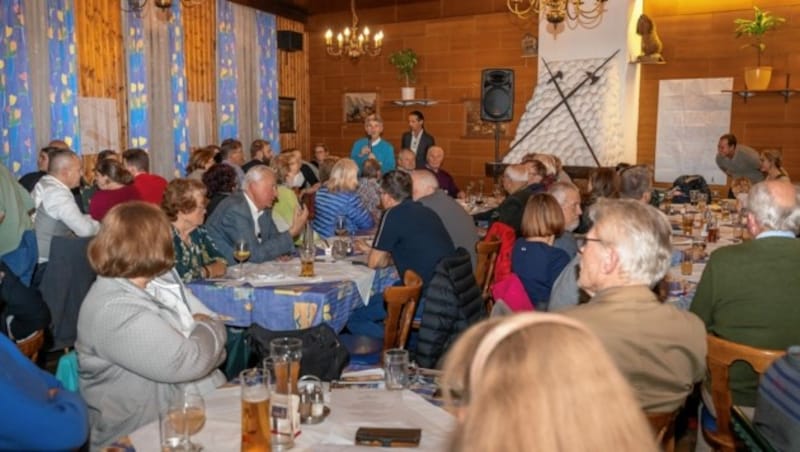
(300, 10)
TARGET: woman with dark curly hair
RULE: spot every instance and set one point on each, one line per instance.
(220, 181)
(115, 186)
(196, 256)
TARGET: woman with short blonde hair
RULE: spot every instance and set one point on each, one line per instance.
(142, 338)
(539, 382)
(772, 165)
(338, 199)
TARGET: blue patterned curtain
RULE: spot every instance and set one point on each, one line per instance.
(16, 111)
(177, 75)
(227, 99)
(138, 121)
(63, 78)
(268, 119)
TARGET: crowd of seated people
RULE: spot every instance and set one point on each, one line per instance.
(138, 316)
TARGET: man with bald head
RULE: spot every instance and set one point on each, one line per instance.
(57, 213)
(749, 292)
(435, 158)
(456, 220)
(406, 160)
(247, 215)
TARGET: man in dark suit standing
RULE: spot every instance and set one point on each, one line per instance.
(417, 139)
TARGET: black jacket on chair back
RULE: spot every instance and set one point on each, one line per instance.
(452, 302)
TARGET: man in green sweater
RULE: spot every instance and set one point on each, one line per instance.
(749, 292)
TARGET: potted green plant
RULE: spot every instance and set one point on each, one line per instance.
(405, 61)
(763, 21)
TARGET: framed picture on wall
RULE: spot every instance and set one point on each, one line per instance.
(286, 114)
(474, 126)
(357, 106)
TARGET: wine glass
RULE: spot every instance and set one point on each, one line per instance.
(340, 228)
(241, 252)
(187, 415)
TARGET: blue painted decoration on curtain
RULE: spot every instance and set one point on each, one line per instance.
(268, 118)
(138, 120)
(62, 56)
(227, 99)
(16, 110)
(177, 75)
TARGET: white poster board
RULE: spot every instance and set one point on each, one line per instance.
(692, 115)
(99, 124)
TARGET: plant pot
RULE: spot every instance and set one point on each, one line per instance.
(757, 78)
(407, 93)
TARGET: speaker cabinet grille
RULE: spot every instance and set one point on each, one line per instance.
(497, 95)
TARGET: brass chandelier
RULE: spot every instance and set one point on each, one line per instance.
(557, 11)
(137, 6)
(352, 42)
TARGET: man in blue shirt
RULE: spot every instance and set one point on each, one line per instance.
(410, 234)
(373, 146)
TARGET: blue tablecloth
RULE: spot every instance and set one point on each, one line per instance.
(289, 307)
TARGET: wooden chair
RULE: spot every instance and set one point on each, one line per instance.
(401, 303)
(663, 425)
(30, 346)
(721, 354)
(484, 271)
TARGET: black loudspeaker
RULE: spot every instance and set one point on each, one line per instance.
(290, 41)
(497, 95)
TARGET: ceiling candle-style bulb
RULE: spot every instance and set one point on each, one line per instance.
(340, 38)
(366, 31)
(329, 37)
(347, 32)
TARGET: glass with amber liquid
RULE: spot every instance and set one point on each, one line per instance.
(256, 430)
(241, 252)
(686, 263)
(307, 253)
(686, 225)
(285, 354)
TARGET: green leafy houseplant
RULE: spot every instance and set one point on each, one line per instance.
(404, 61)
(762, 22)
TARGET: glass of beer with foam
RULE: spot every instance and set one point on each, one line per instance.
(256, 430)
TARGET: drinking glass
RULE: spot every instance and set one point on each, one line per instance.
(340, 228)
(686, 263)
(241, 252)
(285, 354)
(256, 430)
(395, 367)
(185, 416)
(693, 194)
(307, 256)
(339, 251)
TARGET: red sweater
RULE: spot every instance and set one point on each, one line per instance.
(150, 187)
(103, 200)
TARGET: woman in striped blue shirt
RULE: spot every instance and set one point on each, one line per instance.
(338, 198)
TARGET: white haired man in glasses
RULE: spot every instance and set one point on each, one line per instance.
(660, 349)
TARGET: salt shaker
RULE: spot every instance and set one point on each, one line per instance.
(317, 402)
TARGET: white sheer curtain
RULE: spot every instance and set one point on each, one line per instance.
(247, 73)
(159, 109)
(39, 73)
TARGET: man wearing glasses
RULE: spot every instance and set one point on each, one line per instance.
(660, 349)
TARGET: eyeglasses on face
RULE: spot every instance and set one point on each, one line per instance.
(582, 240)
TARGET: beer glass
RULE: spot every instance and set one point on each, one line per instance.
(395, 367)
(256, 431)
(181, 417)
(285, 354)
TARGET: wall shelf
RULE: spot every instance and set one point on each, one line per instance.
(423, 102)
(748, 93)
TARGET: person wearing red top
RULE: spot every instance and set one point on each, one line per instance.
(115, 184)
(150, 186)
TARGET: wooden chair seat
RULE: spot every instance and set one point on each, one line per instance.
(721, 354)
(487, 252)
(663, 425)
(30, 346)
(401, 304)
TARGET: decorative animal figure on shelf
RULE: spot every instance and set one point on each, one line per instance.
(651, 43)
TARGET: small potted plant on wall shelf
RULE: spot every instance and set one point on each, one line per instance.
(404, 61)
(757, 78)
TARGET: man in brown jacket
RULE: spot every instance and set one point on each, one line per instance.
(660, 349)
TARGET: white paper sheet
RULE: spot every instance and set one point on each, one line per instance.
(692, 115)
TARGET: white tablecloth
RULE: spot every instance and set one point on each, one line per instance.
(350, 409)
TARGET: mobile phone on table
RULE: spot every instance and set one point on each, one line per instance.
(388, 437)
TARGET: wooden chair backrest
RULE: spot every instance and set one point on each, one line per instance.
(30, 347)
(401, 303)
(487, 252)
(721, 354)
(663, 425)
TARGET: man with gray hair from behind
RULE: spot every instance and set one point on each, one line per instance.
(749, 292)
(660, 349)
(636, 182)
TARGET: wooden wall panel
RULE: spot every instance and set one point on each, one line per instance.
(101, 65)
(200, 44)
(454, 47)
(699, 42)
(293, 81)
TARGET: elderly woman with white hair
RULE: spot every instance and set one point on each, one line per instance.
(659, 348)
(338, 198)
(515, 183)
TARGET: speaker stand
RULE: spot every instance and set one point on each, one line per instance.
(495, 169)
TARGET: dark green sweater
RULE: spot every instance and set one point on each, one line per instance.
(750, 294)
